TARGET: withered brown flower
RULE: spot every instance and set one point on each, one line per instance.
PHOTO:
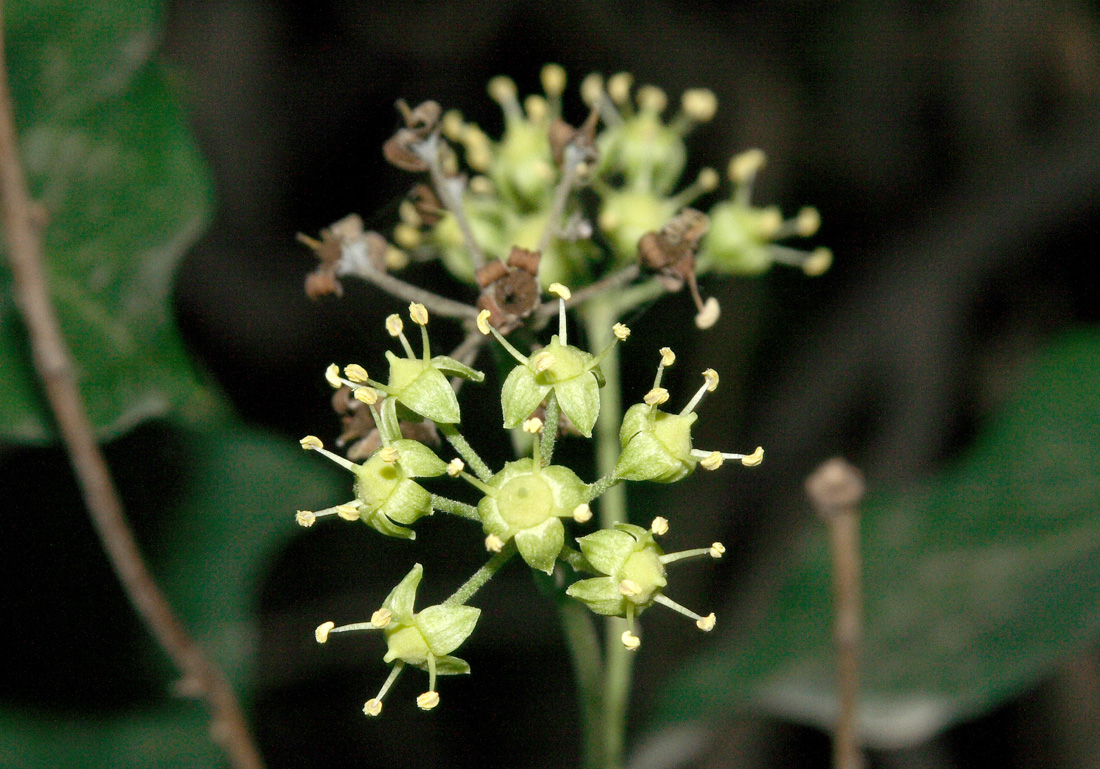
(510, 292)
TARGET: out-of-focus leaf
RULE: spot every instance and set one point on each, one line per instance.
(227, 520)
(975, 587)
(124, 193)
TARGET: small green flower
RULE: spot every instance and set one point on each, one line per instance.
(634, 568)
(742, 238)
(385, 494)
(656, 445)
(572, 374)
(422, 639)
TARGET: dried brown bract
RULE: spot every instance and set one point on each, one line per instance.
(330, 250)
(510, 292)
(420, 122)
(562, 135)
(671, 252)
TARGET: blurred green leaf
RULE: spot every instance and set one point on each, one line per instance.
(124, 192)
(976, 586)
(230, 516)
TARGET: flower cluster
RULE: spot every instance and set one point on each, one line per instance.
(598, 206)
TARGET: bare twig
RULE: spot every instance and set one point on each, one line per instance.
(54, 366)
(835, 490)
(436, 304)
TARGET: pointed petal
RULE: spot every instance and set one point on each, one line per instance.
(446, 627)
(579, 398)
(600, 594)
(456, 368)
(521, 395)
(401, 598)
(540, 545)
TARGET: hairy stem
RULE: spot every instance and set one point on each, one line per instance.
(579, 626)
(462, 446)
(54, 366)
(461, 509)
(550, 428)
(436, 304)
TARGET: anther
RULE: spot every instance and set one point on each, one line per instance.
(629, 587)
(753, 459)
(373, 707)
(418, 313)
(656, 396)
(621, 332)
(708, 180)
(311, 442)
(532, 425)
(668, 357)
(818, 262)
(332, 376)
(356, 373)
(744, 167)
(712, 379)
(553, 79)
(558, 290)
(322, 631)
(659, 526)
(708, 316)
(394, 325)
(389, 454)
(483, 322)
(543, 361)
(494, 544)
(716, 550)
(706, 624)
(381, 618)
(367, 395)
(455, 467)
(712, 461)
(348, 512)
(618, 87)
(630, 641)
(807, 222)
(699, 104)
(305, 518)
(427, 700)
(591, 89)
(652, 99)
(582, 513)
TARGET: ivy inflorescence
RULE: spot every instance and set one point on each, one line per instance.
(547, 211)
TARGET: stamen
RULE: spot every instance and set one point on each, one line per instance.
(313, 443)
(668, 357)
(305, 518)
(374, 705)
(485, 328)
(367, 395)
(656, 396)
(356, 373)
(592, 89)
(618, 88)
(483, 322)
(543, 361)
(699, 104)
(707, 181)
(652, 99)
(332, 376)
(620, 331)
(347, 512)
(690, 407)
(708, 315)
(706, 624)
(396, 327)
(418, 313)
(381, 618)
(629, 587)
(744, 167)
(659, 526)
(712, 461)
(712, 379)
(553, 80)
(582, 513)
(532, 425)
(494, 544)
(502, 90)
(455, 467)
(322, 631)
(716, 550)
(427, 700)
(668, 558)
(630, 641)
(664, 600)
(755, 458)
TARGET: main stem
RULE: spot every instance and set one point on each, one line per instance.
(598, 318)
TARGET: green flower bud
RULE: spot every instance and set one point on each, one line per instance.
(739, 238)
(630, 558)
(628, 214)
(656, 445)
(527, 502)
(644, 149)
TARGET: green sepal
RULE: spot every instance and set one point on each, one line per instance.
(401, 599)
(446, 627)
(656, 446)
(422, 389)
(457, 368)
(384, 490)
(600, 594)
(383, 525)
(607, 549)
(417, 460)
(448, 666)
(408, 503)
(521, 395)
(579, 399)
(540, 545)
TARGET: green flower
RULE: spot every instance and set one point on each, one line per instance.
(422, 639)
(633, 565)
(656, 445)
(385, 494)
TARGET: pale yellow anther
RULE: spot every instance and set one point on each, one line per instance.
(532, 425)
(373, 707)
(553, 79)
(630, 641)
(755, 458)
(708, 180)
(305, 518)
(395, 258)
(716, 550)
(652, 99)
(712, 379)
(322, 631)
(712, 461)
(708, 316)
(381, 617)
(582, 513)
(311, 442)
(659, 526)
(818, 262)
(656, 396)
(494, 544)
(668, 357)
(502, 89)
(483, 321)
(629, 587)
(406, 235)
(356, 373)
(618, 87)
(807, 222)
(348, 512)
(452, 124)
(394, 325)
(427, 700)
(769, 222)
(706, 624)
(699, 104)
(560, 291)
(620, 331)
(543, 361)
(591, 88)
(367, 395)
(455, 467)
(332, 376)
(536, 108)
(744, 167)
(418, 313)
(389, 454)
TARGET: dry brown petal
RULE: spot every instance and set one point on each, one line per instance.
(427, 204)
(422, 119)
(398, 151)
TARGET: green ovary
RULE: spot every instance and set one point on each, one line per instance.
(407, 643)
(525, 501)
(645, 569)
(375, 482)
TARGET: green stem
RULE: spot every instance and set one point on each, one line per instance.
(451, 433)
(600, 487)
(615, 691)
(579, 626)
(550, 428)
(481, 576)
(454, 507)
(575, 559)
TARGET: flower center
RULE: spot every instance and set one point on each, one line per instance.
(645, 569)
(525, 501)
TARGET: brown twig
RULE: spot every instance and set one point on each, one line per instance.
(53, 363)
(835, 490)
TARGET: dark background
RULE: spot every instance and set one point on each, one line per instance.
(953, 149)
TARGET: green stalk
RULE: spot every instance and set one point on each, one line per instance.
(583, 640)
(451, 433)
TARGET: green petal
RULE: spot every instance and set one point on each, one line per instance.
(607, 549)
(446, 627)
(540, 545)
(408, 503)
(569, 490)
(383, 525)
(600, 594)
(450, 666)
(430, 395)
(456, 368)
(579, 398)
(417, 460)
(521, 395)
(401, 598)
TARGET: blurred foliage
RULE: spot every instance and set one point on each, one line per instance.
(976, 586)
(123, 192)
